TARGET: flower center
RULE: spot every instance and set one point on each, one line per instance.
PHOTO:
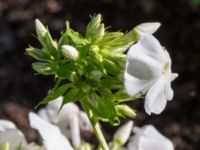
(165, 68)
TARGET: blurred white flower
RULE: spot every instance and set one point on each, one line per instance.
(148, 138)
(70, 52)
(147, 28)
(122, 134)
(69, 119)
(11, 135)
(52, 137)
(148, 69)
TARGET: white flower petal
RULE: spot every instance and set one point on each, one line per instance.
(148, 138)
(152, 140)
(75, 131)
(134, 85)
(169, 93)
(150, 46)
(68, 110)
(174, 76)
(155, 100)
(44, 114)
(10, 134)
(6, 124)
(84, 122)
(143, 67)
(51, 135)
(147, 28)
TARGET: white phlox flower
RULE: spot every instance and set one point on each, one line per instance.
(148, 69)
(148, 138)
(51, 135)
(11, 135)
(147, 28)
(66, 119)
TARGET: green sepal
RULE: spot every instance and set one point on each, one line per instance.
(49, 44)
(38, 54)
(74, 37)
(93, 26)
(42, 68)
(121, 96)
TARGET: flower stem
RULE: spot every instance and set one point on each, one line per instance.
(96, 128)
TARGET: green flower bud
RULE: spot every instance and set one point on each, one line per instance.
(94, 48)
(96, 75)
(101, 30)
(70, 52)
(40, 29)
(125, 110)
(93, 25)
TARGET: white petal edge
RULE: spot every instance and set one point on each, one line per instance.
(134, 85)
(155, 100)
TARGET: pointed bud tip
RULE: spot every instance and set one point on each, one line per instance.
(40, 29)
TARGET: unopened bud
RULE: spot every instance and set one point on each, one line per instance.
(147, 28)
(94, 48)
(70, 52)
(96, 75)
(101, 30)
(40, 29)
(122, 134)
(126, 111)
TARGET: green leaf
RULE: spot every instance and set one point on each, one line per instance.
(38, 54)
(55, 93)
(112, 83)
(104, 110)
(49, 44)
(42, 68)
(70, 96)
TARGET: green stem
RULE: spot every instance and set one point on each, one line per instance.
(116, 146)
(96, 128)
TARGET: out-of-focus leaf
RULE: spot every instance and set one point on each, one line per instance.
(55, 93)
(38, 54)
(42, 68)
